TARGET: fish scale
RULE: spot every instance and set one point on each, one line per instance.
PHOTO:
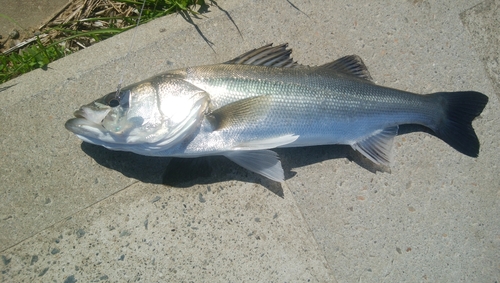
(334, 103)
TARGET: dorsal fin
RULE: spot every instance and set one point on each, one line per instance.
(351, 65)
(267, 55)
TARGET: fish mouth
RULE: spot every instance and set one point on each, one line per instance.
(87, 121)
(91, 132)
(82, 126)
(88, 126)
(91, 114)
(79, 114)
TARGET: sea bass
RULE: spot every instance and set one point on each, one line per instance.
(263, 100)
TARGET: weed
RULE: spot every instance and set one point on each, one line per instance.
(82, 24)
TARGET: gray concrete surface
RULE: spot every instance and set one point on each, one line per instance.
(26, 16)
(483, 23)
(72, 212)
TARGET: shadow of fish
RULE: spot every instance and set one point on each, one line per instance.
(262, 100)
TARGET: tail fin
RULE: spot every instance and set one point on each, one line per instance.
(455, 128)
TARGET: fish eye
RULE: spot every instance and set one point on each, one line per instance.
(117, 99)
(113, 102)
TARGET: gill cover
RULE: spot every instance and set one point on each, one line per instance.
(175, 115)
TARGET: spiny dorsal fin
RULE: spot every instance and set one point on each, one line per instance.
(351, 65)
(243, 111)
(378, 147)
(267, 55)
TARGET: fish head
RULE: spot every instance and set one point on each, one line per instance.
(144, 118)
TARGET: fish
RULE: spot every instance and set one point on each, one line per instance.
(263, 99)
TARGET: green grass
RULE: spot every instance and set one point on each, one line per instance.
(39, 55)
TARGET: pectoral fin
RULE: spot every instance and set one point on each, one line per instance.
(378, 147)
(241, 112)
(263, 162)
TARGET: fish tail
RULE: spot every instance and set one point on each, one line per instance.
(455, 125)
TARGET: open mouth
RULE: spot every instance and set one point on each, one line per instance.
(79, 114)
(80, 125)
(87, 121)
(91, 123)
(92, 115)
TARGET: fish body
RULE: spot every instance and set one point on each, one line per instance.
(262, 100)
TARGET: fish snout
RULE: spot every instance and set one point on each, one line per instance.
(95, 116)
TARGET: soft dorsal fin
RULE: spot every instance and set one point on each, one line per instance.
(351, 65)
(267, 55)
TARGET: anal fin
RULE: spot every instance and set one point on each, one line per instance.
(378, 146)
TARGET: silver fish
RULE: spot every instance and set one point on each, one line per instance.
(262, 100)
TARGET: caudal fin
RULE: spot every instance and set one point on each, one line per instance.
(455, 127)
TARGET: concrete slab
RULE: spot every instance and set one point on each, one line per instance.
(222, 232)
(34, 13)
(433, 218)
(483, 23)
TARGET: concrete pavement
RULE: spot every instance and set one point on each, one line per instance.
(26, 16)
(72, 212)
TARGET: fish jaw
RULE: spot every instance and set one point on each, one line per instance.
(95, 114)
(88, 123)
(93, 133)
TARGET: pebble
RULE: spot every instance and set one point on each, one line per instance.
(14, 34)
